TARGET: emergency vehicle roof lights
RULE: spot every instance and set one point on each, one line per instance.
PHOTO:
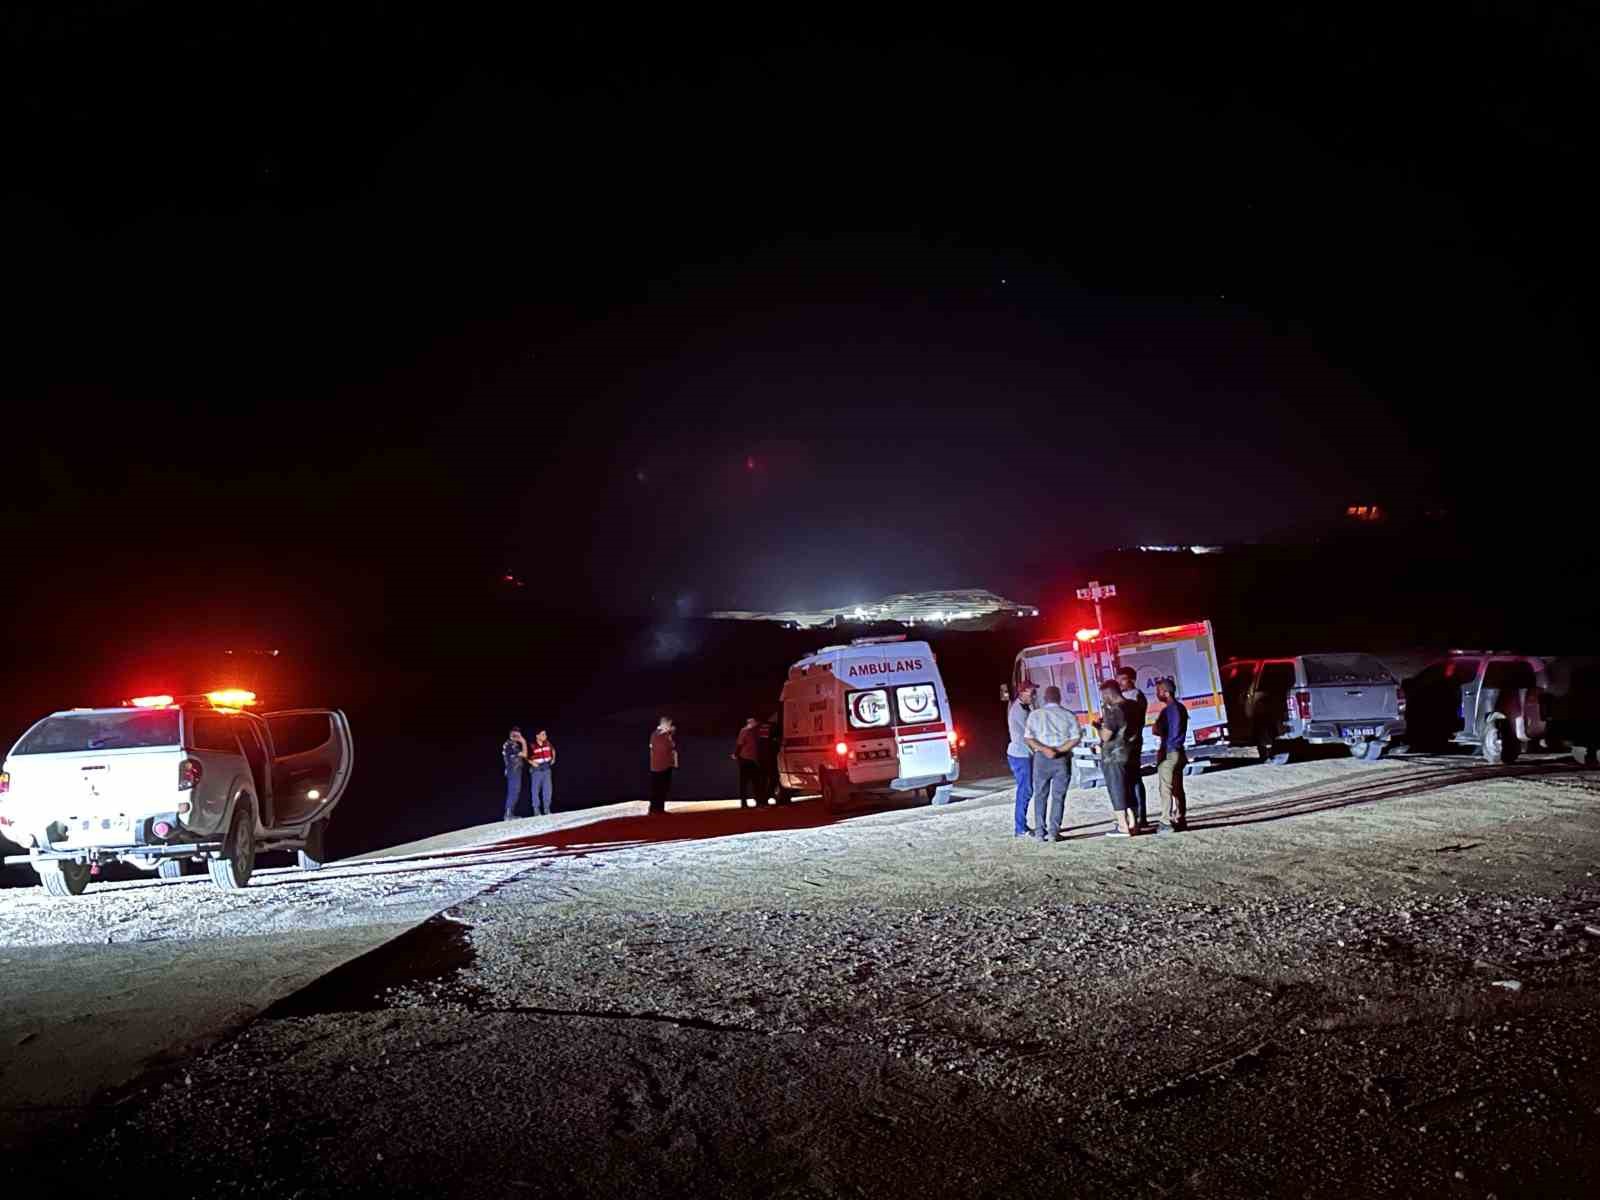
(231, 698)
(162, 701)
(1163, 629)
(1086, 635)
(878, 641)
(841, 748)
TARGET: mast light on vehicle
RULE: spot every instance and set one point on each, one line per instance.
(1086, 635)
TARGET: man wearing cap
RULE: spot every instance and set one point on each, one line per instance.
(1051, 733)
(1171, 724)
(541, 767)
(1018, 757)
(515, 755)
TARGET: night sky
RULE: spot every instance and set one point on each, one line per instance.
(716, 314)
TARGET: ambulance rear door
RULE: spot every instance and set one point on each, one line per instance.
(1186, 654)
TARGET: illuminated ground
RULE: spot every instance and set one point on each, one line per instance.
(1309, 994)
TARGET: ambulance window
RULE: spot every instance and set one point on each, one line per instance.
(917, 704)
(869, 710)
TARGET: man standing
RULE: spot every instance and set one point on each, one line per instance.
(767, 741)
(663, 759)
(745, 754)
(1018, 756)
(1172, 723)
(1050, 733)
(515, 755)
(1114, 750)
(1138, 709)
(541, 765)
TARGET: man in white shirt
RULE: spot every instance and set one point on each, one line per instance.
(1050, 733)
(1018, 757)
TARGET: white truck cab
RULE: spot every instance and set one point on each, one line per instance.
(159, 782)
(868, 720)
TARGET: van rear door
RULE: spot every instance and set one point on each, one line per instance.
(922, 730)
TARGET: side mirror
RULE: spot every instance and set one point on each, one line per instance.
(1005, 694)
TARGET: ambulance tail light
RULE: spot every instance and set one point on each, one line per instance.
(841, 748)
(1400, 701)
(1209, 733)
(189, 772)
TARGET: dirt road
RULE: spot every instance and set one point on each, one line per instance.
(1346, 979)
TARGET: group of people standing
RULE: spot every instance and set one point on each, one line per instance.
(536, 763)
(1044, 733)
(756, 751)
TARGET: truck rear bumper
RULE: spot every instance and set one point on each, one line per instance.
(113, 853)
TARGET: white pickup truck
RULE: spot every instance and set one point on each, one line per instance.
(161, 782)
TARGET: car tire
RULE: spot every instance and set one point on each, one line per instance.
(231, 870)
(1499, 744)
(1584, 756)
(1374, 750)
(1271, 750)
(62, 877)
(170, 868)
(784, 795)
(314, 853)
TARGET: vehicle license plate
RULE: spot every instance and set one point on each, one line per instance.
(1360, 731)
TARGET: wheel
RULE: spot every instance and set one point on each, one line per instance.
(784, 795)
(1374, 750)
(231, 871)
(940, 793)
(313, 854)
(1499, 744)
(62, 877)
(170, 868)
(1584, 756)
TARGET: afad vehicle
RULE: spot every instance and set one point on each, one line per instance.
(161, 782)
(1185, 653)
(866, 721)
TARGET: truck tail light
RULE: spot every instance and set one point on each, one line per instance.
(841, 748)
(1300, 704)
(189, 772)
(1208, 733)
(1400, 701)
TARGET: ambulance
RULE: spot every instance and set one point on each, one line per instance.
(868, 721)
(1185, 653)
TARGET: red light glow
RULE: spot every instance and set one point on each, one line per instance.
(841, 749)
(1086, 635)
(231, 698)
(151, 702)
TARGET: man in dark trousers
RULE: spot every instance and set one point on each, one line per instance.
(663, 760)
(746, 755)
(515, 755)
(1114, 750)
(1138, 706)
(768, 736)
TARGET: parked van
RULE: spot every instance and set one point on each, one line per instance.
(1314, 700)
(1186, 653)
(866, 721)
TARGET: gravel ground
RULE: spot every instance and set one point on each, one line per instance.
(1349, 979)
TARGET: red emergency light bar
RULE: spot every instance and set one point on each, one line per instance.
(1086, 635)
(162, 701)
